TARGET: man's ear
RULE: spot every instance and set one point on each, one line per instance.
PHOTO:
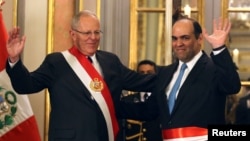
(72, 34)
(200, 39)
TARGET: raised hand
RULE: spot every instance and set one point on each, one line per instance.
(220, 33)
(1, 4)
(15, 44)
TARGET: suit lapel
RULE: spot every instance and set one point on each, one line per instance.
(103, 62)
(195, 73)
(166, 74)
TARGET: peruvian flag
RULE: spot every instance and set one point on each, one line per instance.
(17, 121)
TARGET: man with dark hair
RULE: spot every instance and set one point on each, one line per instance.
(192, 91)
(146, 67)
(136, 130)
(143, 67)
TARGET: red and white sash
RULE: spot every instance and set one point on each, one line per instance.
(96, 86)
(185, 134)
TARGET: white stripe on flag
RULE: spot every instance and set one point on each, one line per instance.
(21, 102)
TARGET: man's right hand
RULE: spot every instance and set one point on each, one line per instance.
(15, 44)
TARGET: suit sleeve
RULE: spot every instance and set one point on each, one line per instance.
(227, 73)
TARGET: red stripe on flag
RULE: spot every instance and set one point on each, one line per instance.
(3, 41)
(25, 131)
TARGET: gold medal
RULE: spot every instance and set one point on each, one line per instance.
(96, 85)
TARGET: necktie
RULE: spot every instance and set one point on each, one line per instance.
(90, 60)
(172, 95)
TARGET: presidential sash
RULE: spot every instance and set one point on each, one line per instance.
(96, 86)
(185, 133)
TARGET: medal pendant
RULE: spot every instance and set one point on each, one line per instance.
(96, 85)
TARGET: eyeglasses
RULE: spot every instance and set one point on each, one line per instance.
(89, 33)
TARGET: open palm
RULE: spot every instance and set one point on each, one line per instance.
(220, 33)
(15, 44)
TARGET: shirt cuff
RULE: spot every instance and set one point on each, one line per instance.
(219, 49)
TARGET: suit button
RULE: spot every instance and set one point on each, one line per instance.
(169, 123)
(144, 130)
(144, 139)
(129, 126)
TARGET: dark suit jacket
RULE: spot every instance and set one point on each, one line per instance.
(74, 114)
(135, 97)
(136, 130)
(201, 99)
(242, 114)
